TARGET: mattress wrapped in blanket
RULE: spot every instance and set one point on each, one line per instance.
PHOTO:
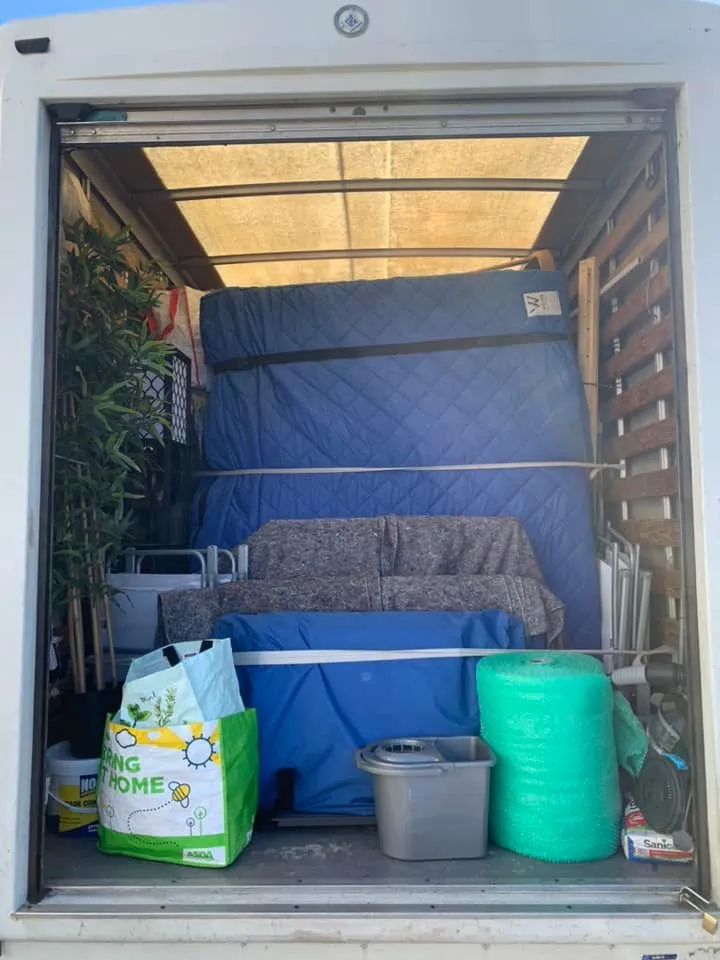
(367, 398)
(312, 716)
(192, 614)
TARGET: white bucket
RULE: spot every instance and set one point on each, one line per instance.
(134, 608)
(71, 798)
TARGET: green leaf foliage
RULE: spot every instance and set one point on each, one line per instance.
(107, 425)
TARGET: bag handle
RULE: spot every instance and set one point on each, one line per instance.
(173, 657)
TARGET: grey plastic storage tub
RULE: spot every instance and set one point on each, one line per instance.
(431, 796)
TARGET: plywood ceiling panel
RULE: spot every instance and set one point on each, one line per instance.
(378, 220)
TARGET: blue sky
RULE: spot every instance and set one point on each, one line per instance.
(23, 9)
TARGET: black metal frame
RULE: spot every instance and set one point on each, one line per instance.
(36, 887)
(169, 499)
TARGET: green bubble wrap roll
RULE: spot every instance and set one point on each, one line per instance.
(555, 792)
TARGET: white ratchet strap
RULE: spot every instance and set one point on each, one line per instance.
(593, 468)
(270, 658)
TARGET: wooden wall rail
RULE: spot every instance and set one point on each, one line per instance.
(662, 433)
(636, 206)
(654, 533)
(643, 345)
(649, 292)
(655, 483)
(656, 387)
(637, 385)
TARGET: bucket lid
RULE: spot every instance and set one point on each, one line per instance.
(424, 755)
(406, 750)
(394, 756)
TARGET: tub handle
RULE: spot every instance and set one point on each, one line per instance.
(400, 770)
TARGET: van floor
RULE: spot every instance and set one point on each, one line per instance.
(292, 860)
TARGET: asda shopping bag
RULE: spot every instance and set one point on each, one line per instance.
(181, 683)
(183, 794)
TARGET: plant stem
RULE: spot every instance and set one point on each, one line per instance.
(108, 624)
(75, 615)
(71, 646)
(76, 633)
(91, 573)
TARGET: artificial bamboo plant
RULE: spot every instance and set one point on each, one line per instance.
(107, 426)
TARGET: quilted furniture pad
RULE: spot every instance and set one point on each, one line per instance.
(192, 614)
(442, 407)
(312, 717)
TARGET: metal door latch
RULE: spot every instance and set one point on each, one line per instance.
(691, 898)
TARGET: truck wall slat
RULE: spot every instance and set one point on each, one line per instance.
(656, 387)
(660, 434)
(650, 340)
(635, 207)
(664, 632)
(647, 246)
(653, 533)
(656, 483)
(638, 423)
(645, 295)
(666, 581)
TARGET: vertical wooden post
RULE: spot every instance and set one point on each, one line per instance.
(545, 260)
(588, 344)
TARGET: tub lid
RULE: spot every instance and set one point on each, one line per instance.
(403, 751)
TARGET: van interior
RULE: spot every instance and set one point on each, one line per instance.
(264, 214)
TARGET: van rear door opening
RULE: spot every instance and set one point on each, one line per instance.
(238, 152)
(373, 206)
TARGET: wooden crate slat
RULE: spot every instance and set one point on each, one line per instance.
(633, 210)
(643, 250)
(664, 632)
(653, 533)
(656, 387)
(651, 340)
(666, 581)
(656, 483)
(653, 437)
(645, 295)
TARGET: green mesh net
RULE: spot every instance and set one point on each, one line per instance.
(555, 792)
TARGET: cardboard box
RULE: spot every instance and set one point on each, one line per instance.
(640, 842)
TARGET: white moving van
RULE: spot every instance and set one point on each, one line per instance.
(591, 131)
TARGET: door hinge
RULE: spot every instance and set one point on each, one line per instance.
(691, 898)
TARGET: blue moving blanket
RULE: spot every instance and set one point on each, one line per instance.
(277, 403)
(313, 717)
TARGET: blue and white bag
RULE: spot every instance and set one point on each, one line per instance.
(181, 683)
